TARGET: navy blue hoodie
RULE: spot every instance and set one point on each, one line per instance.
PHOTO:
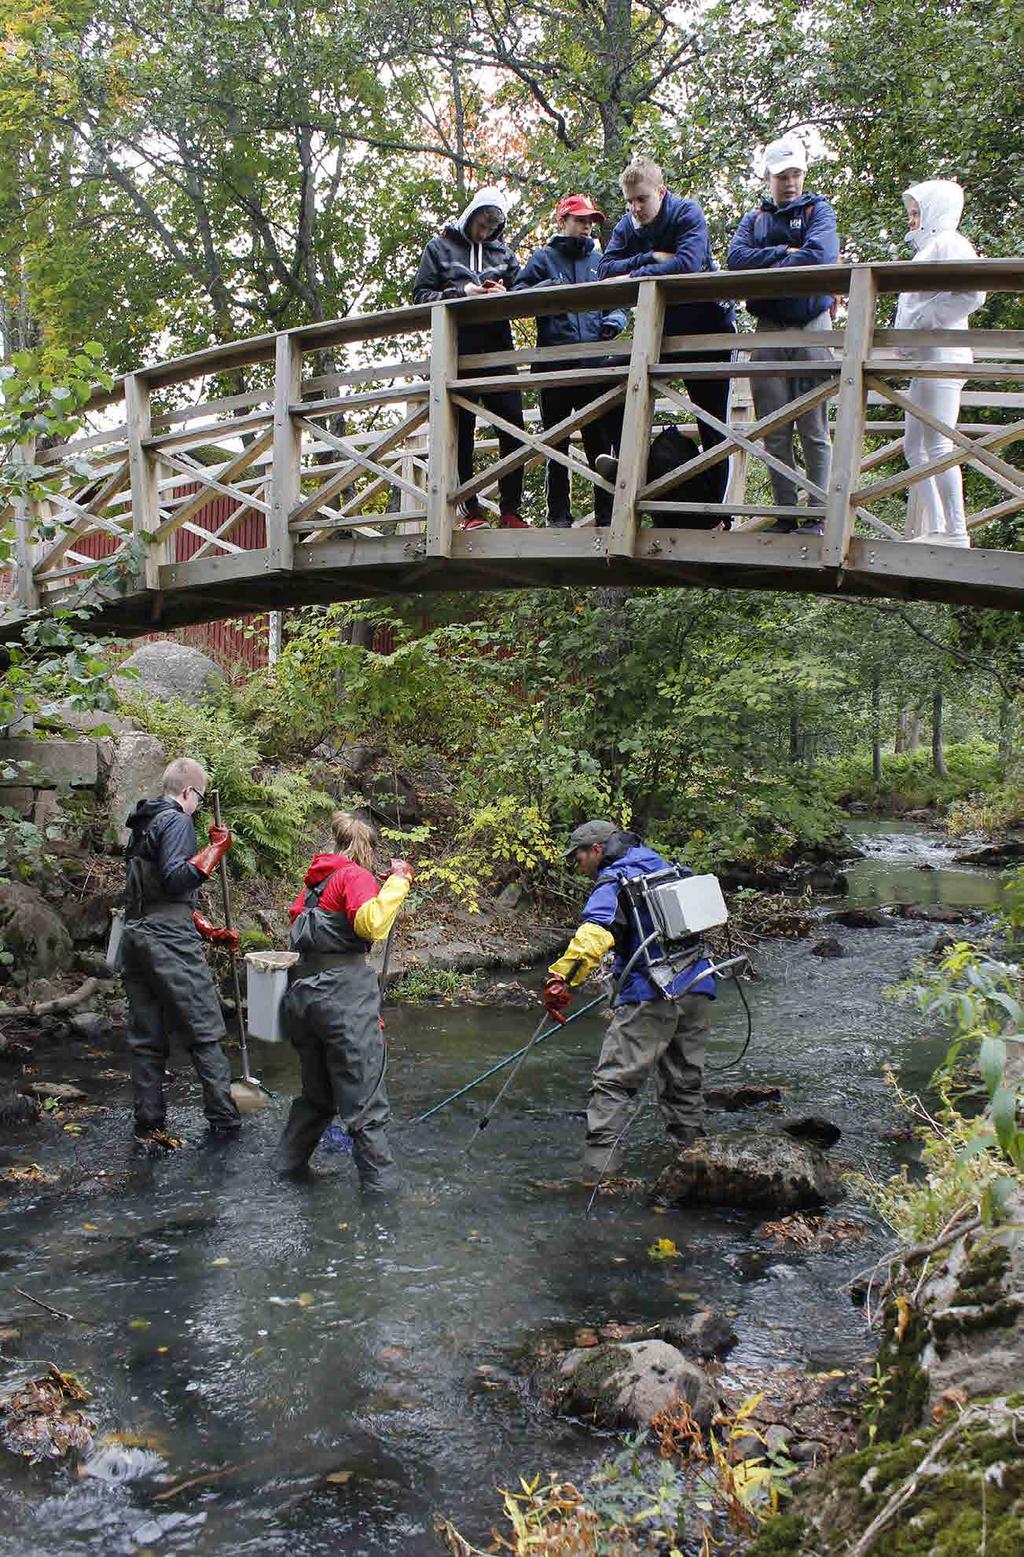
(802, 232)
(162, 834)
(562, 261)
(681, 230)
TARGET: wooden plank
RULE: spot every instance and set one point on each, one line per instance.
(397, 395)
(143, 473)
(442, 432)
(977, 450)
(57, 453)
(764, 509)
(977, 340)
(848, 441)
(114, 484)
(209, 437)
(416, 367)
(286, 472)
(636, 422)
(343, 478)
(234, 466)
(535, 444)
(782, 368)
(481, 361)
(189, 413)
(201, 474)
(926, 368)
(526, 384)
(26, 590)
(749, 340)
(799, 477)
(1011, 505)
(361, 460)
(721, 451)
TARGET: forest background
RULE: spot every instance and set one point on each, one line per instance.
(177, 175)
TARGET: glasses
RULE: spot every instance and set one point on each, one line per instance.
(200, 797)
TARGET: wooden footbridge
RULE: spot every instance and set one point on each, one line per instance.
(320, 464)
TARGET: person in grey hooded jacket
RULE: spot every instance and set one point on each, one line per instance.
(936, 509)
(470, 258)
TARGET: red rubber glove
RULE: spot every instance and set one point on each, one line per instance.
(218, 935)
(557, 996)
(209, 858)
(402, 868)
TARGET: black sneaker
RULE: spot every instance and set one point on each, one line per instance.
(561, 522)
(607, 465)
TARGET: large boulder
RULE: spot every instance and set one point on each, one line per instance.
(169, 670)
(626, 1384)
(137, 763)
(32, 933)
(760, 1171)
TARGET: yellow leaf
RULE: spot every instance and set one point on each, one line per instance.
(221, 1261)
(305, 1299)
(342, 1227)
(663, 1249)
(73, 1129)
(162, 1351)
(338, 1478)
(138, 1324)
(90, 1227)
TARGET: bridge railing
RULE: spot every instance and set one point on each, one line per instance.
(339, 441)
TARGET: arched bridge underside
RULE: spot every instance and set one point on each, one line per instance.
(321, 464)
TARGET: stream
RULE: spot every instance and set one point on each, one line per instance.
(328, 1372)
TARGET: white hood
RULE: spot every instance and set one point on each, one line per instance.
(942, 204)
(488, 196)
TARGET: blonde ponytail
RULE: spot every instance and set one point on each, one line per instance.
(354, 838)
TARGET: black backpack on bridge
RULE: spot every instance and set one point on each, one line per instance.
(669, 449)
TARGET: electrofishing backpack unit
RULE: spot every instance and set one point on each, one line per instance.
(678, 907)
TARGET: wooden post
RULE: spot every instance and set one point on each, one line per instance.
(636, 423)
(285, 471)
(442, 434)
(415, 444)
(741, 407)
(24, 543)
(144, 478)
(848, 444)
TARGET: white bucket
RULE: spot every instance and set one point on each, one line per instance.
(266, 979)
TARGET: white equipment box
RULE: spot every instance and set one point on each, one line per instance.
(266, 979)
(689, 906)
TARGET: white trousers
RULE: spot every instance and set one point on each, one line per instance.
(939, 504)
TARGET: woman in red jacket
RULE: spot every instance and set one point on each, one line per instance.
(331, 1012)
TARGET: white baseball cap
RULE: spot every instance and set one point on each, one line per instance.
(786, 152)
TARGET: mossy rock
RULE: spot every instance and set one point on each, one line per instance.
(897, 1404)
(254, 940)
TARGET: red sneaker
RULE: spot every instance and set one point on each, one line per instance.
(474, 524)
(513, 522)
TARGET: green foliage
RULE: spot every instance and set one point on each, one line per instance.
(22, 847)
(909, 780)
(420, 985)
(999, 807)
(269, 814)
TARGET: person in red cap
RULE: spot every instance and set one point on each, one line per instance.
(571, 257)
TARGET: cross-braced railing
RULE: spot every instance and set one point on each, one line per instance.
(333, 450)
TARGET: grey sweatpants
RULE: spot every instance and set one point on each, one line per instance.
(170, 993)
(663, 1037)
(771, 394)
(333, 1019)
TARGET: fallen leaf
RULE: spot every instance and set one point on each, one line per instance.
(343, 1227)
(223, 1260)
(162, 1351)
(74, 1129)
(90, 1227)
(338, 1478)
(392, 1353)
(139, 1324)
(305, 1299)
(663, 1249)
(904, 1310)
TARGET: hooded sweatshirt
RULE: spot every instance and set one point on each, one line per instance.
(452, 259)
(678, 229)
(801, 232)
(942, 202)
(163, 838)
(352, 891)
(564, 261)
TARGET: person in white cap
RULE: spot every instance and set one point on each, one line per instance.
(790, 228)
(937, 509)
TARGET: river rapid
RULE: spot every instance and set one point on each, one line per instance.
(328, 1372)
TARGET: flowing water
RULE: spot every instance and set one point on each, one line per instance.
(326, 1372)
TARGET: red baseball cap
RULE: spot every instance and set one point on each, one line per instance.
(578, 205)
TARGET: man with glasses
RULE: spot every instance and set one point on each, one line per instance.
(571, 257)
(166, 978)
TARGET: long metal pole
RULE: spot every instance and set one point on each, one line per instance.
(557, 1027)
(247, 1075)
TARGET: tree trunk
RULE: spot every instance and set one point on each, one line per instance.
(876, 730)
(938, 757)
(794, 734)
(902, 729)
(1007, 712)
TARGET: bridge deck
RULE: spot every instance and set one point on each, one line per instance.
(320, 464)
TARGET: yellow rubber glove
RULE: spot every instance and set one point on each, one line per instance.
(378, 914)
(583, 953)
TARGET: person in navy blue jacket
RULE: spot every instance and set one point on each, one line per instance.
(790, 228)
(571, 257)
(650, 1030)
(663, 234)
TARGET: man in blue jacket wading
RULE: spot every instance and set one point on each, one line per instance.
(790, 228)
(649, 1031)
(572, 256)
(662, 234)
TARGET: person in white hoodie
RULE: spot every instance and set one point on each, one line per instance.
(937, 510)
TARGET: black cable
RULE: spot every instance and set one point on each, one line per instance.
(729, 1064)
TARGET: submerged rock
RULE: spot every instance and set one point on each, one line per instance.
(811, 1127)
(859, 918)
(758, 1172)
(626, 1384)
(828, 947)
(746, 1095)
(704, 1335)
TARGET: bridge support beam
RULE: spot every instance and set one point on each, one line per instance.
(442, 431)
(24, 524)
(144, 475)
(286, 471)
(648, 325)
(851, 404)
